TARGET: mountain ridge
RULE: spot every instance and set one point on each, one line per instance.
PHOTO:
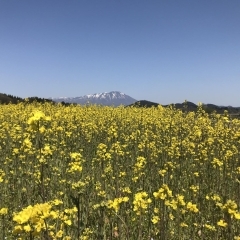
(116, 98)
(190, 106)
(113, 98)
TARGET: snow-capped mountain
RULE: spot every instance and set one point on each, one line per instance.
(113, 98)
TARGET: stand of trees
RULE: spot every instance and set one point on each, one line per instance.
(8, 98)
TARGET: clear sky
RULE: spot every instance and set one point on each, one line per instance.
(158, 50)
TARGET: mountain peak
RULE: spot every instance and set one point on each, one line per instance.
(113, 98)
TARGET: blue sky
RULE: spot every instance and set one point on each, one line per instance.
(159, 50)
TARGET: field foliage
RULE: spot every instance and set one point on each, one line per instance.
(91, 172)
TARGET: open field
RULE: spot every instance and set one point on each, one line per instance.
(89, 172)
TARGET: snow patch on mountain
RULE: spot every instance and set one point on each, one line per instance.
(114, 98)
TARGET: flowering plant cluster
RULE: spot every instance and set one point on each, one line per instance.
(94, 172)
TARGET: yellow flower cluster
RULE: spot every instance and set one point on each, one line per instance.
(141, 202)
(115, 204)
(3, 211)
(34, 121)
(192, 207)
(38, 218)
(163, 192)
(126, 173)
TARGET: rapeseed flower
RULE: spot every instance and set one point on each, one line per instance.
(89, 166)
(3, 211)
(192, 207)
(141, 202)
(222, 223)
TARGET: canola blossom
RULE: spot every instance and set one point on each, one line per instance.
(94, 172)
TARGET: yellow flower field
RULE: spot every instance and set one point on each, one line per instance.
(92, 172)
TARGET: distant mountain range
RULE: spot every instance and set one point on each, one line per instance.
(189, 106)
(116, 98)
(113, 98)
